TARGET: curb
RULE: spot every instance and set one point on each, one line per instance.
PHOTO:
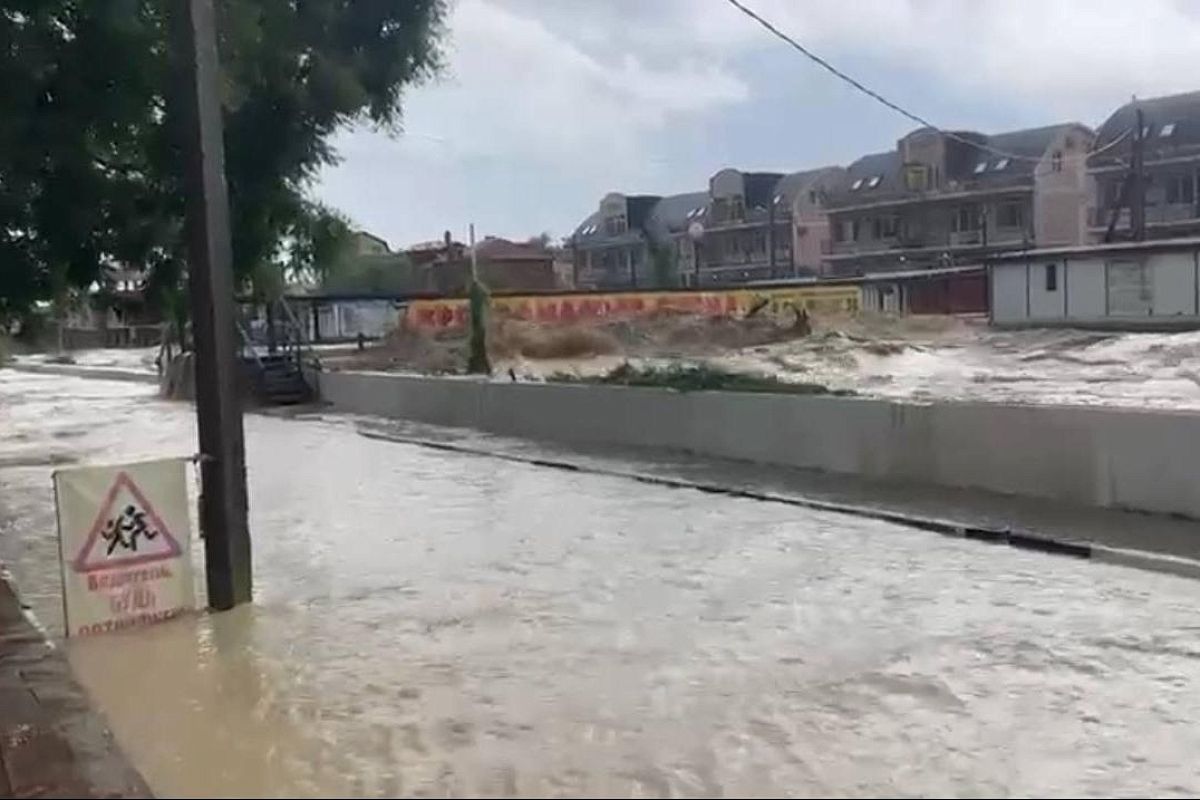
(1020, 539)
(77, 371)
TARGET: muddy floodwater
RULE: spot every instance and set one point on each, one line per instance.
(432, 623)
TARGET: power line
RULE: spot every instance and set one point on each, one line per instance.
(874, 95)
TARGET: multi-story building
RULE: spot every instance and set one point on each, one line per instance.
(745, 232)
(673, 250)
(748, 226)
(612, 246)
(942, 200)
(1170, 140)
(806, 195)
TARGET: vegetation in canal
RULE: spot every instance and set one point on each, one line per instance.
(698, 378)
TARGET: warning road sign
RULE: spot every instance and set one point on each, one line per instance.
(127, 531)
(123, 542)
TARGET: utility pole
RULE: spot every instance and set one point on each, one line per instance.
(474, 260)
(223, 497)
(1137, 203)
(771, 237)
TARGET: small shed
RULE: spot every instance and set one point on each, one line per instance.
(1128, 285)
(946, 290)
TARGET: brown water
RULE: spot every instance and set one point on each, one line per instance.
(431, 623)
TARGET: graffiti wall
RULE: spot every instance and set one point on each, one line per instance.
(567, 308)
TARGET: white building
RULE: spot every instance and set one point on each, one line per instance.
(1146, 285)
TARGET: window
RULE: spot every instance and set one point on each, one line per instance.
(1052, 277)
(916, 177)
(966, 219)
(1112, 193)
(812, 196)
(1166, 130)
(980, 167)
(871, 184)
(778, 199)
(885, 227)
(1146, 131)
(854, 187)
(1180, 190)
(1010, 215)
(1056, 161)
(1001, 164)
(847, 231)
(739, 208)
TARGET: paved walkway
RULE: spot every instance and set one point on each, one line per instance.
(1150, 541)
(52, 744)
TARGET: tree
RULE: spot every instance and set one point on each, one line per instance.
(89, 173)
(665, 263)
(383, 275)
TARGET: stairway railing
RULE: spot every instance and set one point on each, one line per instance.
(298, 341)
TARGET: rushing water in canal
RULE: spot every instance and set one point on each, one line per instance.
(432, 623)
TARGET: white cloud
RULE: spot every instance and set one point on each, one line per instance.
(1062, 55)
(516, 84)
(547, 104)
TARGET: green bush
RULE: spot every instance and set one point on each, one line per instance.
(698, 378)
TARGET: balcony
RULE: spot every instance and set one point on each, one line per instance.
(1157, 214)
(1002, 238)
(863, 246)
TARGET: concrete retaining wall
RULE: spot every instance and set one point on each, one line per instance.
(83, 371)
(1101, 457)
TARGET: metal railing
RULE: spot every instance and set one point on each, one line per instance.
(1156, 214)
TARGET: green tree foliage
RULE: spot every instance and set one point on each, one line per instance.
(480, 303)
(665, 263)
(89, 173)
(383, 275)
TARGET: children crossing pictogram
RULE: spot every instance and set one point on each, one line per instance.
(127, 531)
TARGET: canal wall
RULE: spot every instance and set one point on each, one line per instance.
(1113, 458)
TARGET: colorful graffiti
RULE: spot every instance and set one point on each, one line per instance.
(567, 308)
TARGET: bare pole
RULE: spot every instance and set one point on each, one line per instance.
(474, 260)
(223, 497)
(1137, 203)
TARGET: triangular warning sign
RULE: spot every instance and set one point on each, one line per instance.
(127, 531)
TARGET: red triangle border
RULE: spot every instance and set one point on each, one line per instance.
(123, 479)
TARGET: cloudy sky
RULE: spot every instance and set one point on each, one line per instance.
(546, 105)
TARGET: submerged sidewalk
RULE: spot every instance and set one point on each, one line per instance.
(1157, 542)
(52, 743)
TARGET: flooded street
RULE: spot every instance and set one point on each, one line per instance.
(433, 623)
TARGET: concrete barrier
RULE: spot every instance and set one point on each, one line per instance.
(1117, 458)
(83, 371)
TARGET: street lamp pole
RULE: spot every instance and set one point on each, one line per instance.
(223, 497)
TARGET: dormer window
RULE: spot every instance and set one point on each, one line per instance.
(854, 187)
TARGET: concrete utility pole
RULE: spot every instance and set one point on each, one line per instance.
(771, 237)
(223, 500)
(1137, 203)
